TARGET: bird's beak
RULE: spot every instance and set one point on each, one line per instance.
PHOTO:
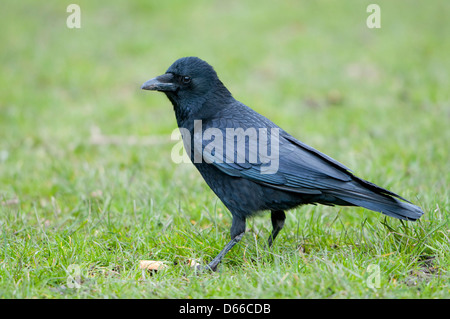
(163, 83)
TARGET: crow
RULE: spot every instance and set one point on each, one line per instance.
(229, 144)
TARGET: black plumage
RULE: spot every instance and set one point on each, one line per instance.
(292, 174)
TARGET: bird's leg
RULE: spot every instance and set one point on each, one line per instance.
(237, 232)
(215, 262)
(278, 217)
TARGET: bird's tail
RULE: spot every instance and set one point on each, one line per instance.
(368, 195)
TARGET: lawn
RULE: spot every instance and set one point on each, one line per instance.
(88, 188)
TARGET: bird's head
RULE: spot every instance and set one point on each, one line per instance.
(186, 82)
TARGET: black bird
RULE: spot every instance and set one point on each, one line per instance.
(292, 174)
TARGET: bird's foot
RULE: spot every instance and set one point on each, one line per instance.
(200, 269)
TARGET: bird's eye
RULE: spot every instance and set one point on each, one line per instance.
(186, 79)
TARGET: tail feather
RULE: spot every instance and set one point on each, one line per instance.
(394, 208)
(380, 200)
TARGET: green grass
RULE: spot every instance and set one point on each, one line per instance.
(376, 100)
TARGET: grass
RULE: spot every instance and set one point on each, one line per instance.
(376, 100)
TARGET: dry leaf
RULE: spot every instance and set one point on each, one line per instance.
(193, 263)
(153, 265)
(10, 202)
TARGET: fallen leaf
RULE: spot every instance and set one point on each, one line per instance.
(153, 265)
(193, 263)
(10, 202)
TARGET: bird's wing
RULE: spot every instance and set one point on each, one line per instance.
(295, 167)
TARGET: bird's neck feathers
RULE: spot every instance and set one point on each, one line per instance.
(220, 94)
(200, 107)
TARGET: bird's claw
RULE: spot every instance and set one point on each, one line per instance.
(199, 269)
